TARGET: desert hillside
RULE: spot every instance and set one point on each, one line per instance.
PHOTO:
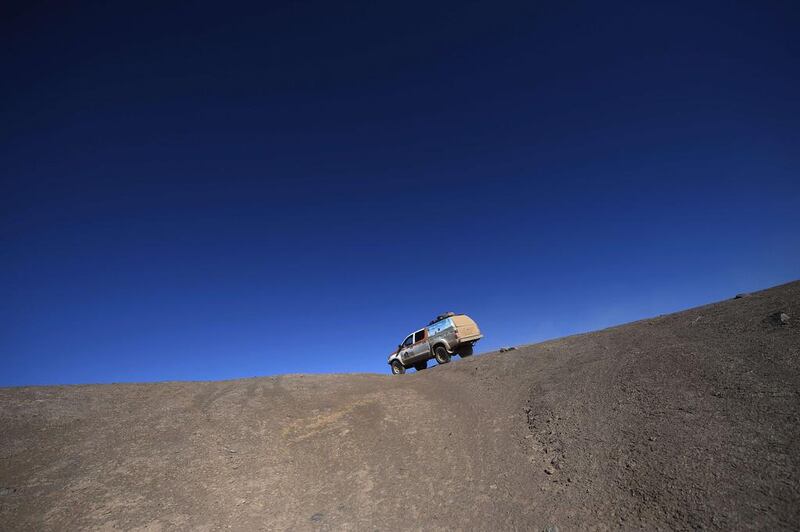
(689, 420)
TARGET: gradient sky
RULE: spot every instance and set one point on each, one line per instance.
(214, 190)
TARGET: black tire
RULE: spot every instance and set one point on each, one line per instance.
(465, 351)
(419, 366)
(441, 354)
(397, 368)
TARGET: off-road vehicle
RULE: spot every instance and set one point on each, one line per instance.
(444, 336)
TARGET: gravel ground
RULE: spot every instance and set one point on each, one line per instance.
(690, 420)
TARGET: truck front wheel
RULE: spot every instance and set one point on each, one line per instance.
(397, 368)
(441, 354)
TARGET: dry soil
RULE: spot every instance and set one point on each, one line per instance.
(689, 420)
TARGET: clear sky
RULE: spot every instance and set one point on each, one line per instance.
(217, 190)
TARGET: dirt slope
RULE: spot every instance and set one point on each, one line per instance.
(683, 421)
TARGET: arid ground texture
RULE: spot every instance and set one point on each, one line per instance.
(688, 420)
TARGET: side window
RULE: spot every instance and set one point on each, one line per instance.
(419, 335)
(409, 340)
(440, 326)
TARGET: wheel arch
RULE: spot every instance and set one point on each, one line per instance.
(440, 343)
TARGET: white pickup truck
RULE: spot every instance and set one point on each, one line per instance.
(448, 334)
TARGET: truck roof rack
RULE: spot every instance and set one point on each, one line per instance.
(440, 317)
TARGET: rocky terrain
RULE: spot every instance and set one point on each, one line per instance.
(689, 420)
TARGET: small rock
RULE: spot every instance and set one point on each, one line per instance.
(740, 296)
(493, 486)
(317, 517)
(779, 318)
(551, 528)
(548, 470)
(652, 438)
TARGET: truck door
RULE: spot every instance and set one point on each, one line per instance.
(421, 348)
(406, 349)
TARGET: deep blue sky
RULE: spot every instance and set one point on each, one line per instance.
(215, 190)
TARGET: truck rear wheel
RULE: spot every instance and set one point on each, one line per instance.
(397, 368)
(441, 354)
